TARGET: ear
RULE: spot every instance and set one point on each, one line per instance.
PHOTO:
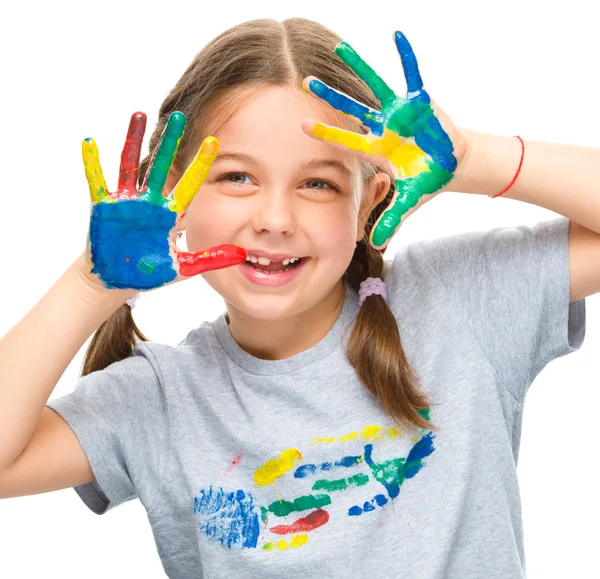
(375, 191)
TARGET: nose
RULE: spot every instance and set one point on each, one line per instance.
(274, 212)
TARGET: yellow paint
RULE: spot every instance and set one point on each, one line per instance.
(276, 467)
(194, 175)
(299, 540)
(407, 157)
(282, 544)
(93, 172)
(368, 433)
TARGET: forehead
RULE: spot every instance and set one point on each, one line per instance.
(269, 119)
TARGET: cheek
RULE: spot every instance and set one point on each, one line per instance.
(210, 221)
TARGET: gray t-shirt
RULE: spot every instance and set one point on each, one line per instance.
(289, 468)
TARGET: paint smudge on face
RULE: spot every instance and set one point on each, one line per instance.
(228, 517)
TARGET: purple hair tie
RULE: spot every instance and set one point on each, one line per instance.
(371, 286)
(131, 301)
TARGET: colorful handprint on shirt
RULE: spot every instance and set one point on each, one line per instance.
(131, 231)
(406, 133)
(235, 519)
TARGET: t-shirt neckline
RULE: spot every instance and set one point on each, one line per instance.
(320, 350)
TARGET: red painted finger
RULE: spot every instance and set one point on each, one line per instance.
(130, 157)
(218, 257)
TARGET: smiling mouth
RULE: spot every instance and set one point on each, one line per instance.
(276, 266)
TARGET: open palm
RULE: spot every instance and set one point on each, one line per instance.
(405, 137)
(132, 232)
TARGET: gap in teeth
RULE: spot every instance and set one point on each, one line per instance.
(267, 261)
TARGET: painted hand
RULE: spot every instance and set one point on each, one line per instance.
(132, 234)
(405, 137)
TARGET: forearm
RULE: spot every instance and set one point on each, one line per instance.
(37, 350)
(562, 178)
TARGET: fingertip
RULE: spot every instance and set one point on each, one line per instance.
(210, 145)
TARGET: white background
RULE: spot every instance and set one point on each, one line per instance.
(74, 70)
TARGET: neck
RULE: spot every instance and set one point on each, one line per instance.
(282, 338)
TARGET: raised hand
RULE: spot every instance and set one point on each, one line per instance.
(132, 234)
(405, 137)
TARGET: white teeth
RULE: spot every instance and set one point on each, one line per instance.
(267, 261)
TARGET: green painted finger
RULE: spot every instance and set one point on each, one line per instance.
(163, 158)
(380, 89)
(408, 193)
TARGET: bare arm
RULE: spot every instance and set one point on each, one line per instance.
(36, 351)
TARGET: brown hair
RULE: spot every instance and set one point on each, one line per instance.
(265, 53)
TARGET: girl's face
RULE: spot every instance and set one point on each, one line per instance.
(273, 188)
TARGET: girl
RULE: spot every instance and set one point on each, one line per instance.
(297, 434)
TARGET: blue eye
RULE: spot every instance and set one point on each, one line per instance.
(229, 177)
(321, 182)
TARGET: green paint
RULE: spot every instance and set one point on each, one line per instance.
(164, 157)
(404, 117)
(358, 480)
(284, 508)
(388, 472)
(145, 267)
(380, 89)
(410, 190)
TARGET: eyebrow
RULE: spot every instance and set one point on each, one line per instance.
(314, 164)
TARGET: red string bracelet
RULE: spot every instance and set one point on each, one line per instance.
(518, 170)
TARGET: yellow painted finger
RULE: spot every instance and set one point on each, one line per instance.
(348, 139)
(93, 172)
(194, 176)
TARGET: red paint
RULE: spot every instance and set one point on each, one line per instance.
(272, 279)
(218, 257)
(233, 463)
(316, 519)
(130, 157)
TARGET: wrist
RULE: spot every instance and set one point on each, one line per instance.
(93, 290)
(489, 165)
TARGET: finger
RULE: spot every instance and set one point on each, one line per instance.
(380, 89)
(338, 100)
(343, 138)
(130, 157)
(414, 83)
(163, 159)
(218, 257)
(93, 172)
(194, 176)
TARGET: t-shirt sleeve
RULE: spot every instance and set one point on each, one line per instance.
(119, 416)
(511, 285)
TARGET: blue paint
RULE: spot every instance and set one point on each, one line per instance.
(136, 231)
(338, 100)
(228, 517)
(368, 506)
(308, 469)
(424, 447)
(414, 83)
